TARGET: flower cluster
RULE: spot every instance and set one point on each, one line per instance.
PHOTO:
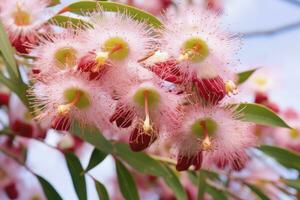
(122, 75)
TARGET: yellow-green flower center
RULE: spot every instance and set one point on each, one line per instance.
(204, 127)
(21, 17)
(194, 49)
(116, 47)
(65, 57)
(76, 97)
(152, 97)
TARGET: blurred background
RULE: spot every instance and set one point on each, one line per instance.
(271, 40)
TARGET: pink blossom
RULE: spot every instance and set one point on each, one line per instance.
(24, 21)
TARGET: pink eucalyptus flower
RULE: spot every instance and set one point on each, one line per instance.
(212, 136)
(149, 109)
(122, 39)
(57, 52)
(24, 21)
(66, 97)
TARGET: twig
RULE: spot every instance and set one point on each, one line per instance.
(272, 32)
(164, 159)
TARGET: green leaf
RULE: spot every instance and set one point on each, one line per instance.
(93, 136)
(101, 191)
(8, 54)
(243, 76)
(173, 182)
(83, 7)
(126, 182)
(201, 185)
(215, 193)
(48, 189)
(139, 161)
(292, 183)
(54, 3)
(78, 178)
(66, 22)
(258, 192)
(96, 158)
(285, 157)
(259, 114)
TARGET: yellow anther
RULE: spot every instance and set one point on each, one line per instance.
(101, 57)
(147, 125)
(231, 87)
(206, 144)
(63, 109)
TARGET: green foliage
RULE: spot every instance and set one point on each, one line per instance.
(215, 193)
(83, 7)
(48, 189)
(101, 191)
(96, 158)
(259, 114)
(126, 182)
(173, 182)
(93, 136)
(285, 157)
(201, 184)
(77, 176)
(244, 76)
(66, 21)
(8, 54)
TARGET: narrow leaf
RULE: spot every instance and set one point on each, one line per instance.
(173, 182)
(215, 193)
(8, 53)
(78, 178)
(285, 157)
(259, 114)
(66, 22)
(101, 191)
(258, 192)
(243, 76)
(83, 7)
(97, 157)
(201, 185)
(126, 182)
(93, 136)
(139, 161)
(48, 189)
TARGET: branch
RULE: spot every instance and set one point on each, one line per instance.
(272, 32)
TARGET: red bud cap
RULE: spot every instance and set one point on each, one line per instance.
(22, 128)
(185, 161)
(122, 116)
(168, 70)
(237, 164)
(20, 44)
(4, 99)
(140, 140)
(61, 123)
(89, 64)
(11, 190)
(212, 90)
(261, 97)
